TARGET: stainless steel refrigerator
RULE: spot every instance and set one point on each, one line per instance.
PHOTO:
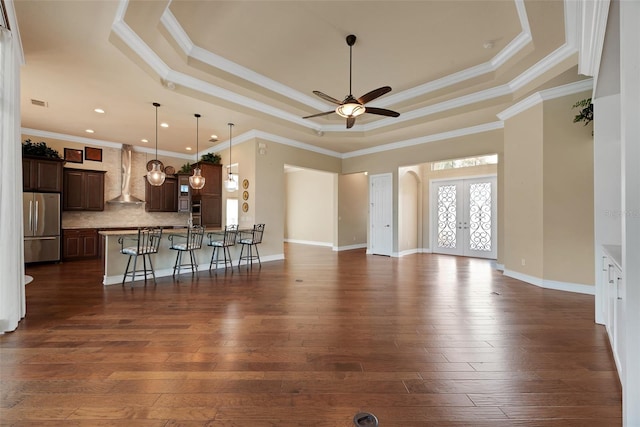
(41, 223)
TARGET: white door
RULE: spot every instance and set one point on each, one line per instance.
(380, 214)
(464, 220)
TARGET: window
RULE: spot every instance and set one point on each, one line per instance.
(232, 211)
(491, 159)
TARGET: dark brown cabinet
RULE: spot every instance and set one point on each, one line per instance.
(80, 244)
(83, 190)
(207, 202)
(43, 175)
(162, 198)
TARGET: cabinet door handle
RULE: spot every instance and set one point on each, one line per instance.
(610, 278)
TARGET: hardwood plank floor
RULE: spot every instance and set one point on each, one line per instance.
(423, 340)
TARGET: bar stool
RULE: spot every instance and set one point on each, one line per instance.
(228, 240)
(147, 242)
(190, 242)
(251, 239)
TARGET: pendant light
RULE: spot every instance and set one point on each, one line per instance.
(196, 181)
(231, 183)
(156, 176)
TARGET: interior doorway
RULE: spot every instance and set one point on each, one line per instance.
(464, 217)
(381, 214)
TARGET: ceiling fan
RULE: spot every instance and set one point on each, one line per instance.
(351, 107)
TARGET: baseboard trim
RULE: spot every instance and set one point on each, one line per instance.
(412, 251)
(349, 247)
(309, 242)
(552, 284)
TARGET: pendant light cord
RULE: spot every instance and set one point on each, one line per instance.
(350, 69)
(230, 127)
(197, 134)
(155, 104)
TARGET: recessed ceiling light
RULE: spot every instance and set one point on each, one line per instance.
(214, 136)
(99, 110)
(164, 125)
(144, 140)
(188, 148)
(89, 131)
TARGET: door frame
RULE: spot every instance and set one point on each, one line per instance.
(433, 201)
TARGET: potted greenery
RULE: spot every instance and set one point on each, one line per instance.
(186, 168)
(211, 158)
(586, 111)
(39, 149)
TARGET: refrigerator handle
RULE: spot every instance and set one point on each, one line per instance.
(31, 215)
(36, 226)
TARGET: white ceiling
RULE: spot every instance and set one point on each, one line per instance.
(451, 64)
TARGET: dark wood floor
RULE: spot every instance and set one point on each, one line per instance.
(424, 340)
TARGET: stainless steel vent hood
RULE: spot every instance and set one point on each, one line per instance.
(125, 196)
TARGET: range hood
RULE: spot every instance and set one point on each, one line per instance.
(125, 196)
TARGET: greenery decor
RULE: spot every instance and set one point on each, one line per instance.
(211, 158)
(586, 111)
(186, 168)
(39, 149)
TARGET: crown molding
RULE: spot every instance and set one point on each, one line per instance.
(181, 37)
(137, 45)
(486, 127)
(98, 142)
(591, 22)
(545, 95)
(186, 44)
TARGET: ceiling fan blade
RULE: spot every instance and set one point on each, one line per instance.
(319, 114)
(376, 93)
(326, 97)
(350, 122)
(381, 112)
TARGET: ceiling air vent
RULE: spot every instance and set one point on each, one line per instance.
(39, 103)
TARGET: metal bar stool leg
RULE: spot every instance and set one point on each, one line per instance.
(126, 271)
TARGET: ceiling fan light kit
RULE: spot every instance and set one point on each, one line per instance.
(351, 107)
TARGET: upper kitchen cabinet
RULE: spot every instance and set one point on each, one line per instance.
(83, 190)
(212, 174)
(43, 175)
(207, 202)
(162, 198)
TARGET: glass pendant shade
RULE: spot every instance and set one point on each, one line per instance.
(351, 109)
(156, 176)
(196, 181)
(231, 184)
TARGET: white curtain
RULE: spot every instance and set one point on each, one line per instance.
(12, 282)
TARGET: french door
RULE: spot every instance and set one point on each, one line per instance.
(463, 217)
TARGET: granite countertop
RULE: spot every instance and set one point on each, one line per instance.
(166, 230)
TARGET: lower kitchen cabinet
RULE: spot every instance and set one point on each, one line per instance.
(80, 243)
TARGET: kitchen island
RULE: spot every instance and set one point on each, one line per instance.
(115, 262)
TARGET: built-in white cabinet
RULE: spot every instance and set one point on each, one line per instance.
(612, 285)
